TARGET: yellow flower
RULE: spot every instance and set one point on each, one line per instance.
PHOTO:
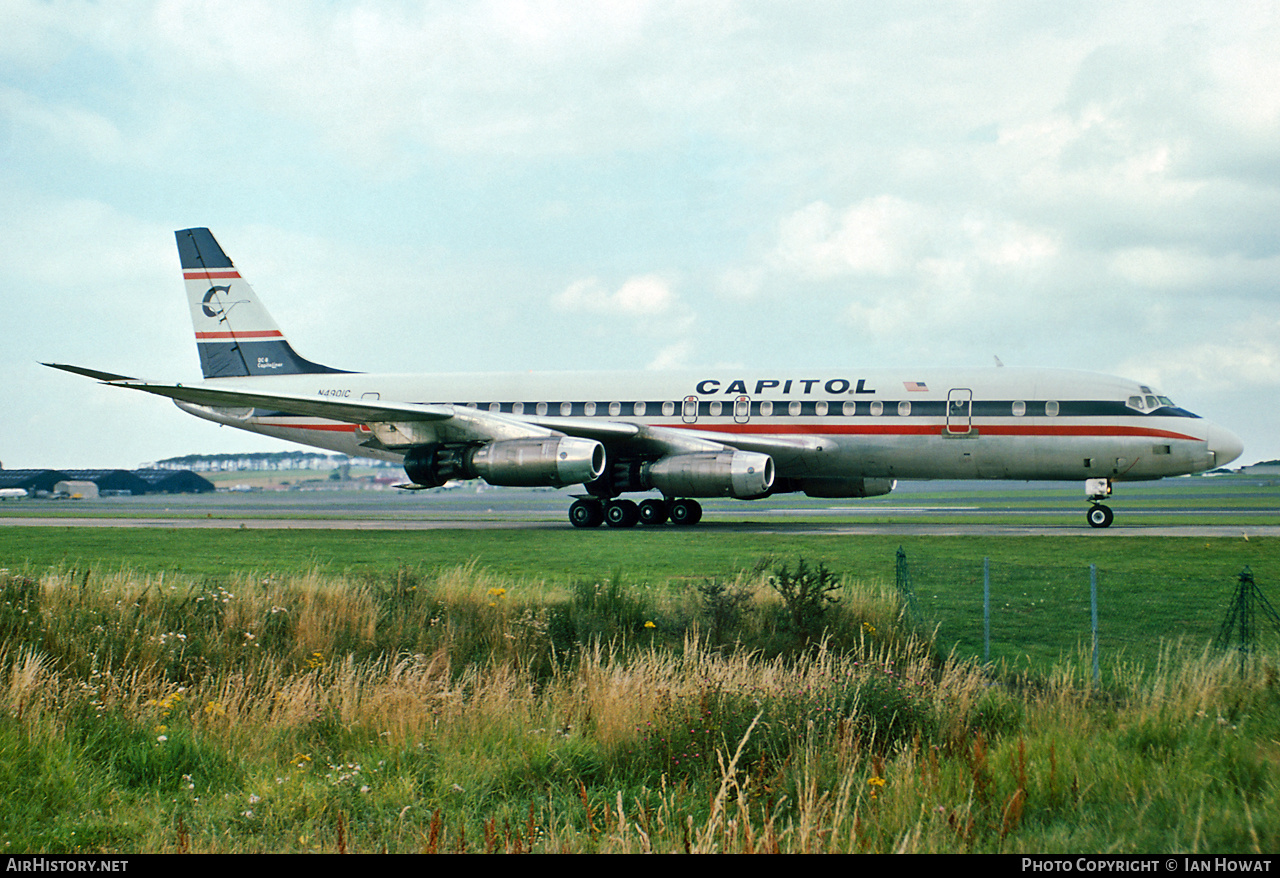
(214, 708)
(497, 593)
(650, 625)
(876, 781)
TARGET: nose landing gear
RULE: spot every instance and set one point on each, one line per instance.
(1098, 514)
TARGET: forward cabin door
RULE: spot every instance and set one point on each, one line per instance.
(960, 411)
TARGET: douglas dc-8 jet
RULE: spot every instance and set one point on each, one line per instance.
(841, 432)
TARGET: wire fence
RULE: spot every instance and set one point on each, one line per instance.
(1038, 616)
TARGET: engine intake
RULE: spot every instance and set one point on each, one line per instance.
(741, 474)
(514, 463)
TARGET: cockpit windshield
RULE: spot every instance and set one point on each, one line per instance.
(1148, 401)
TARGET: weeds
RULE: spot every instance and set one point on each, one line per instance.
(464, 712)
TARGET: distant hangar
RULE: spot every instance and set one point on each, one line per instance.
(37, 482)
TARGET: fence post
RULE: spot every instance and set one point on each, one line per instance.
(1093, 610)
(986, 609)
(902, 576)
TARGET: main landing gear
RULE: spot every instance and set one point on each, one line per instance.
(1095, 490)
(590, 512)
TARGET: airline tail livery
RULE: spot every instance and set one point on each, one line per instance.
(839, 432)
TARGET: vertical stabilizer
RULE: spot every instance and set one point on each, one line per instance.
(235, 335)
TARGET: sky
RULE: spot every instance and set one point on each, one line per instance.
(566, 185)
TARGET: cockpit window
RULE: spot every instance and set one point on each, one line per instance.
(1148, 402)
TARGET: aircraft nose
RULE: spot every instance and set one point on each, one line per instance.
(1224, 445)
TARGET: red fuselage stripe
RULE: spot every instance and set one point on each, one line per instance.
(260, 333)
(877, 430)
(936, 429)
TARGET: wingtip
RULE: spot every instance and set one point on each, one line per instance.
(89, 373)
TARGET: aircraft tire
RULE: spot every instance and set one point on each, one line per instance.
(1100, 516)
(621, 513)
(586, 513)
(654, 511)
(686, 512)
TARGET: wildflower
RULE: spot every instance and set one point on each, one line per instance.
(650, 625)
(162, 738)
(214, 708)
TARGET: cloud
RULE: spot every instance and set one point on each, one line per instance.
(646, 296)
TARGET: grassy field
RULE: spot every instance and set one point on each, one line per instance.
(1151, 591)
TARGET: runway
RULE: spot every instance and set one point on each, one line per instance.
(1174, 508)
(903, 528)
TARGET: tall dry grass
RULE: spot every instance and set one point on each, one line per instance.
(465, 712)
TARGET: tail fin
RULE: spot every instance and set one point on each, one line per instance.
(235, 335)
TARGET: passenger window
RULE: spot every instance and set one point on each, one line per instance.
(877, 409)
(668, 409)
(766, 409)
(541, 408)
(904, 409)
(638, 408)
(1051, 408)
(615, 409)
(589, 409)
(794, 408)
(716, 407)
(1019, 408)
(517, 408)
(850, 408)
(566, 408)
(495, 406)
(820, 408)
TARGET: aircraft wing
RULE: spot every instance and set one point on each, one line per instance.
(393, 424)
(397, 424)
(108, 377)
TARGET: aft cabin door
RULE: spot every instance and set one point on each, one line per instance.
(959, 411)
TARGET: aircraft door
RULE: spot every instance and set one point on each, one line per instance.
(742, 409)
(960, 411)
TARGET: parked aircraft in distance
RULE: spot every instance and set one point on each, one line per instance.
(843, 432)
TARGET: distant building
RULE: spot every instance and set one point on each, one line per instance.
(105, 481)
(167, 481)
(80, 490)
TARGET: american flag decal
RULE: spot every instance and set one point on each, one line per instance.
(915, 386)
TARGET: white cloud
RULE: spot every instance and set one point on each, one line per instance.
(646, 296)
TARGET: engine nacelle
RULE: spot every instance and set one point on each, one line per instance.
(741, 474)
(846, 487)
(552, 462)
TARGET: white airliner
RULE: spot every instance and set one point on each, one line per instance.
(842, 432)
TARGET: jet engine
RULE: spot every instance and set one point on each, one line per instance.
(553, 462)
(741, 474)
